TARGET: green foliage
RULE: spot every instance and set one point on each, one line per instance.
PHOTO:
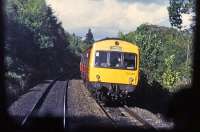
(36, 45)
(165, 53)
(30, 12)
(77, 45)
(38, 19)
(170, 76)
(177, 7)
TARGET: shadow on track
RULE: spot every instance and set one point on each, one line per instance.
(74, 124)
(152, 97)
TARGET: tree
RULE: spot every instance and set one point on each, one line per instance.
(164, 57)
(89, 37)
(170, 76)
(77, 45)
(36, 45)
(179, 7)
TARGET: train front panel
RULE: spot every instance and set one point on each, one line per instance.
(114, 62)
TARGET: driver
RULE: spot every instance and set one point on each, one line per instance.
(118, 62)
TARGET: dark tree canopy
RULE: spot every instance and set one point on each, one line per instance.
(36, 46)
(89, 37)
(178, 7)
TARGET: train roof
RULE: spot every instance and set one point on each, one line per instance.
(111, 39)
(107, 38)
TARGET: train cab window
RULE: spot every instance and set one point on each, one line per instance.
(115, 59)
(101, 59)
(129, 61)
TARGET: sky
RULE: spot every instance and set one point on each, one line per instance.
(107, 18)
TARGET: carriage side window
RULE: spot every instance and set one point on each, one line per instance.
(101, 59)
(129, 61)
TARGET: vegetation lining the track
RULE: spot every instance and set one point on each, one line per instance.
(166, 54)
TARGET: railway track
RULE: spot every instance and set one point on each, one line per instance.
(55, 98)
(109, 116)
(131, 114)
(37, 106)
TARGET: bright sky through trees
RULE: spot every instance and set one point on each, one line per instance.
(107, 17)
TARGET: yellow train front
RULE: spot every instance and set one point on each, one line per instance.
(111, 68)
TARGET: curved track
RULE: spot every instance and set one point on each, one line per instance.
(38, 105)
(65, 106)
(54, 99)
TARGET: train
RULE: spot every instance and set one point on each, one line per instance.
(110, 68)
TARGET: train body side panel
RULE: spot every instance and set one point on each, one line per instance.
(84, 65)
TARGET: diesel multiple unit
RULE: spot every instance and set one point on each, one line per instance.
(111, 67)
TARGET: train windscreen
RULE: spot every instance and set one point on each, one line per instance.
(101, 59)
(129, 61)
(117, 60)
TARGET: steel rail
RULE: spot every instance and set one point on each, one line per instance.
(140, 119)
(65, 106)
(107, 114)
